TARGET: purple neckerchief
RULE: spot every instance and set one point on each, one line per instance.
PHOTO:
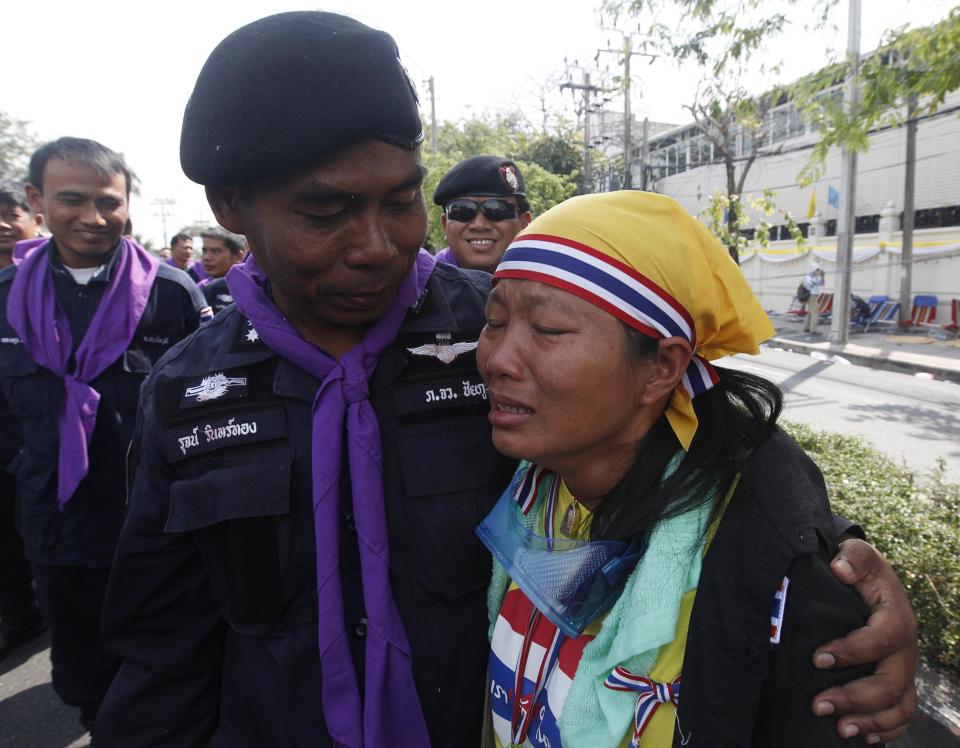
(446, 255)
(36, 315)
(389, 713)
(20, 249)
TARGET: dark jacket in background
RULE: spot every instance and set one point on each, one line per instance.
(86, 531)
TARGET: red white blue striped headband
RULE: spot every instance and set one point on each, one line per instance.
(611, 285)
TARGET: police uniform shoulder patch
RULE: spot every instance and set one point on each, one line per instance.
(217, 386)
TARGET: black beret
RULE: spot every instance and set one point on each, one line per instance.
(284, 91)
(480, 175)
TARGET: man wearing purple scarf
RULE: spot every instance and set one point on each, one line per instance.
(299, 566)
(181, 257)
(85, 315)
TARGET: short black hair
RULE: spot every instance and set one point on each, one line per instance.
(83, 152)
(13, 195)
(181, 237)
(235, 242)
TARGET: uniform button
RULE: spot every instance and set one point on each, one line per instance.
(351, 523)
(360, 628)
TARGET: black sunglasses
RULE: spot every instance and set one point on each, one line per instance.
(464, 209)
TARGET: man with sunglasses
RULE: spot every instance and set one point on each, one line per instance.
(484, 207)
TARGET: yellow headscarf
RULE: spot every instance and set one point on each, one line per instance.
(644, 259)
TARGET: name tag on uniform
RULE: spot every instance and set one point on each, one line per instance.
(228, 430)
(439, 393)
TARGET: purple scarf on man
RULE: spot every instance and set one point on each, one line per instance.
(446, 255)
(33, 311)
(21, 248)
(389, 713)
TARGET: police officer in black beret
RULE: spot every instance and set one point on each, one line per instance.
(484, 206)
(299, 565)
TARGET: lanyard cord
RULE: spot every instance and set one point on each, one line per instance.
(520, 724)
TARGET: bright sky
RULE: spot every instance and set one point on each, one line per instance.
(121, 72)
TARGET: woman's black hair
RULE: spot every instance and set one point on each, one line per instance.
(734, 418)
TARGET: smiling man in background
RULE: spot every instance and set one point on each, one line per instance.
(484, 208)
(84, 316)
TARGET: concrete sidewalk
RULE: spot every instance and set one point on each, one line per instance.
(920, 352)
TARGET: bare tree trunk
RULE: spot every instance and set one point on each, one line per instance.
(733, 201)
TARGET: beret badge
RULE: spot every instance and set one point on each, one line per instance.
(510, 177)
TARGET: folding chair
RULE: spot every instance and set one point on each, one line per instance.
(876, 301)
(924, 312)
(869, 316)
(886, 314)
(825, 305)
(797, 307)
(954, 325)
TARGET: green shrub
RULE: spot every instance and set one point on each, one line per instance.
(915, 522)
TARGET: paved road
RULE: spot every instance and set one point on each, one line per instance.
(913, 420)
(31, 715)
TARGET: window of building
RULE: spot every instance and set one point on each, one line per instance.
(932, 218)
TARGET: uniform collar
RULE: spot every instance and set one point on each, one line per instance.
(104, 272)
(241, 345)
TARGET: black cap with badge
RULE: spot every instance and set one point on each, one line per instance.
(481, 176)
(283, 92)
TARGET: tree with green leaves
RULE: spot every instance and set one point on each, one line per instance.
(723, 38)
(550, 162)
(17, 143)
(921, 63)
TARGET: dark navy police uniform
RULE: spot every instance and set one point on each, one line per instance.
(212, 603)
(71, 549)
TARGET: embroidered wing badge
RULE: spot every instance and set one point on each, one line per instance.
(445, 352)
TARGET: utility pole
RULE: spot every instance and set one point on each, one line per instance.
(433, 117)
(587, 89)
(626, 53)
(162, 204)
(846, 223)
(627, 116)
(906, 253)
(645, 154)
